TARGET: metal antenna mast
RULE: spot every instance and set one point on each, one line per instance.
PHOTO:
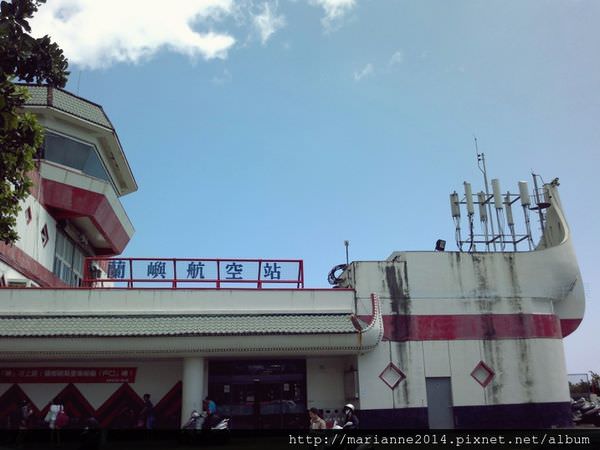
(481, 158)
(540, 205)
(346, 244)
(78, 81)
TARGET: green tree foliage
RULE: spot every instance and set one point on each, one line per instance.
(579, 389)
(23, 58)
(595, 384)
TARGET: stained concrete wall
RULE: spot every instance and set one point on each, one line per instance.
(523, 287)
(525, 371)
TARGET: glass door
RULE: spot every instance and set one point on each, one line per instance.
(260, 395)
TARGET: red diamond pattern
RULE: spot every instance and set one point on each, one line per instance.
(392, 375)
(483, 374)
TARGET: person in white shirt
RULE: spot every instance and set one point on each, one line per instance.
(55, 407)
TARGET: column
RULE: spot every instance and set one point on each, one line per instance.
(193, 387)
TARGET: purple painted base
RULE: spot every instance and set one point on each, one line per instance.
(407, 418)
(514, 416)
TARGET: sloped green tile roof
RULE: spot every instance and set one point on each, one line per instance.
(69, 103)
(174, 325)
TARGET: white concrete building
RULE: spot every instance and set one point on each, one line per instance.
(422, 339)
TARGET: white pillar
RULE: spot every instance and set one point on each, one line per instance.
(193, 387)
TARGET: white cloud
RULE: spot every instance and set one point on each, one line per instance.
(364, 72)
(335, 10)
(99, 33)
(268, 22)
(397, 58)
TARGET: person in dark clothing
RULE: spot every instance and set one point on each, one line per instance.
(91, 437)
(24, 417)
(350, 419)
(147, 413)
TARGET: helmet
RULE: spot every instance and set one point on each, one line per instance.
(349, 406)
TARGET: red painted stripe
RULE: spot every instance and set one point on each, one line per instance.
(445, 327)
(77, 202)
(569, 325)
(29, 267)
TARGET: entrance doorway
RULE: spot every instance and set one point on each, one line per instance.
(440, 410)
(267, 394)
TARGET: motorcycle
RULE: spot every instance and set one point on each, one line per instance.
(584, 411)
(194, 422)
(197, 429)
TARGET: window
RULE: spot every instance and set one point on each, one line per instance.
(28, 215)
(45, 235)
(68, 260)
(75, 154)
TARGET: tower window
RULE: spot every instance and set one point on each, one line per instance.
(45, 235)
(28, 215)
(68, 260)
(73, 153)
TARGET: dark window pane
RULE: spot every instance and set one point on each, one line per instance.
(77, 155)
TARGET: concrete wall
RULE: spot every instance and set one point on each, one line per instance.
(30, 237)
(412, 286)
(451, 282)
(325, 382)
(426, 285)
(409, 393)
(165, 301)
(524, 372)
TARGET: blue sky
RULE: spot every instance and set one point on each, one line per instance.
(279, 129)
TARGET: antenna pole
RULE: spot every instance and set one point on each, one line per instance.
(347, 244)
(481, 158)
(538, 205)
(78, 81)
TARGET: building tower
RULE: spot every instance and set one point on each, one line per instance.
(74, 209)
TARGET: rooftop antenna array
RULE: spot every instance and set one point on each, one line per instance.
(497, 223)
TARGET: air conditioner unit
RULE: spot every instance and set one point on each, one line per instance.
(18, 283)
(96, 271)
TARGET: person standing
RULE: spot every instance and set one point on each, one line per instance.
(147, 413)
(56, 408)
(24, 416)
(316, 422)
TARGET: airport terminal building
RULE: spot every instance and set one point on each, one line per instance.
(438, 339)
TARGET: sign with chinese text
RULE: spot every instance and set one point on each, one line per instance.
(194, 273)
(67, 374)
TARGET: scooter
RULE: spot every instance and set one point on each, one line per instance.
(222, 425)
(194, 430)
(194, 422)
(585, 412)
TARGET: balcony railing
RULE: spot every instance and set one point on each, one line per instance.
(193, 273)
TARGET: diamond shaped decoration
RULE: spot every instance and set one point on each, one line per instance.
(483, 374)
(392, 375)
